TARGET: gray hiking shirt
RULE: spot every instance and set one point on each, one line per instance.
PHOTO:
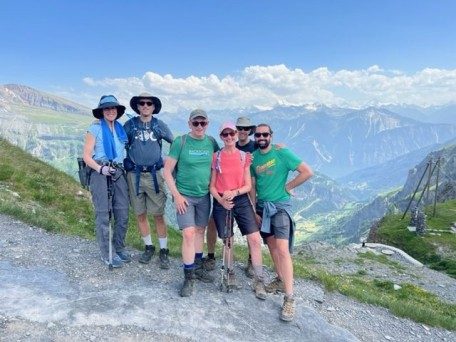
(144, 147)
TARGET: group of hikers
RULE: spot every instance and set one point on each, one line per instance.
(247, 180)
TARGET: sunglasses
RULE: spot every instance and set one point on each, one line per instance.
(231, 134)
(197, 123)
(264, 135)
(247, 129)
(143, 103)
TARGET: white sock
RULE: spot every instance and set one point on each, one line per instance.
(163, 242)
(147, 240)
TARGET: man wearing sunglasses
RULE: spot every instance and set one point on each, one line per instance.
(145, 181)
(192, 155)
(245, 130)
(271, 191)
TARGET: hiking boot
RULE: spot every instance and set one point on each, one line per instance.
(249, 270)
(187, 287)
(116, 262)
(163, 256)
(124, 256)
(275, 286)
(288, 309)
(201, 273)
(231, 281)
(209, 264)
(147, 255)
(258, 287)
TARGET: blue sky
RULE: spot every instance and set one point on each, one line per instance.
(79, 48)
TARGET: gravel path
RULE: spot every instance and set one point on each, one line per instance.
(54, 288)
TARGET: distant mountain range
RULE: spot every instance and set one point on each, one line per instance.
(12, 95)
(386, 176)
(352, 227)
(437, 114)
(338, 141)
(44, 125)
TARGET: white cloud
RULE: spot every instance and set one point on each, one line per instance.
(267, 86)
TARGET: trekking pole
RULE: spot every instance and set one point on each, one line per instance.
(109, 183)
(226, 253)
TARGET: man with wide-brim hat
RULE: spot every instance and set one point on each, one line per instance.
(143, 164)
(245, 128)
(134, 102)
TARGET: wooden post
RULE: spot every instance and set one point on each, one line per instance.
(436, 186)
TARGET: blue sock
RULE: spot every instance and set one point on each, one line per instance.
(189, 266)
(198, 256)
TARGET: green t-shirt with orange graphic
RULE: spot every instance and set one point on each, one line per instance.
(270, 171)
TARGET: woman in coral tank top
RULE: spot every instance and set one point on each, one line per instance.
(230, 185)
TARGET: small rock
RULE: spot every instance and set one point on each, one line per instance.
(389, 338)
(50, 325)
(397, 287)
(330, 308)
(425, 327)
(387, 251)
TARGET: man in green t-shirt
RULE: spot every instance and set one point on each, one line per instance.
(271, 192)
(192, 154)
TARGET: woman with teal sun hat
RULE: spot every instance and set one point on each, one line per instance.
(104, 152)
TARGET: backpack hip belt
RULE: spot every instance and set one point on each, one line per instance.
(138, 169)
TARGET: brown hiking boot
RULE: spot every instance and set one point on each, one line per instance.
(275, 286)
(187, 287)
(201, 273)
(249, 270)
(209, 264)
(288, 309)
(258, 287)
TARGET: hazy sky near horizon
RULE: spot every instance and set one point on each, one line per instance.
(229, 54)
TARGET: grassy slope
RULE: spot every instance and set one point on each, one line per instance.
(436, 251)
(37, 194)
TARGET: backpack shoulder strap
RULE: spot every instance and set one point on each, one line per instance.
(214, 143)
(132, 132)
(183, 138)
(218, 161)
(157, 131)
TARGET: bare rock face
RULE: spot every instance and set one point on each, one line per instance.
(20, 94)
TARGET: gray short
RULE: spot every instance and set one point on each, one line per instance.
(147, 200)
(280, 225)
(197, 214)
